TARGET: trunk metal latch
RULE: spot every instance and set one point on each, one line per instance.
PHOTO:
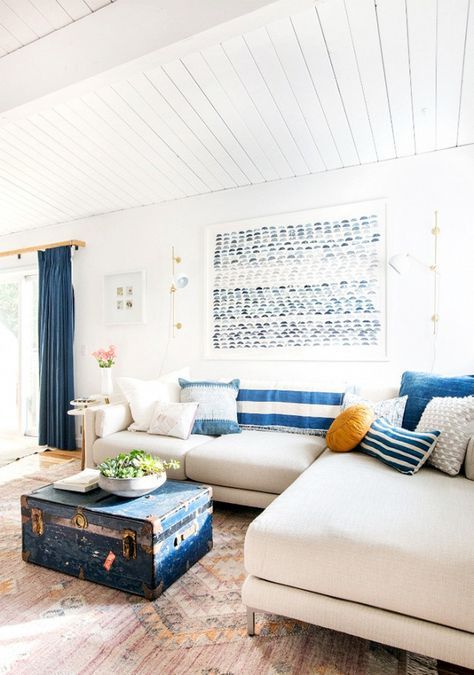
(37, 523)
(79, 520)
(129, 544)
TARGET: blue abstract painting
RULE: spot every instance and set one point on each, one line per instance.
(301, 285)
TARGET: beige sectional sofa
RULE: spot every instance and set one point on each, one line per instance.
(344, 541)
(250, 468)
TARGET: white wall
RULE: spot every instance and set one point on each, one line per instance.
(142, 238)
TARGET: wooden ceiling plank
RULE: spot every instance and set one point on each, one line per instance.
(120, 185)
(267, 61)
(31, 16)
(11, 203)
(221, 102)
(223, 70)
(52, 12)
(15, 25)
(392, 26)
(118, 147)
(286, 45)
(197, 99)
(465, 132)
(125, 38)
(311, 40)
(42, 159)
(77, 9)
(421, 17)
(8, 42)
(244, 64)
(365, 36)
(200, 156)
(120, 176)
(176, 99)
(452, 25)
(149, 151)
(97, 4)
(45, 145)
(338, 38)
(14, 170)
(157, 136)
(38, 204)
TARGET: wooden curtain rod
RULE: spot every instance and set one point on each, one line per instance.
(42, 247)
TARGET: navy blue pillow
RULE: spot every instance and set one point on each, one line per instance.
(422, 387)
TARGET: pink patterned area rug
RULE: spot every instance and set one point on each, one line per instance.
(55, 624)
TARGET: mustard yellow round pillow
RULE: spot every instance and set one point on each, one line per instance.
(349, 428)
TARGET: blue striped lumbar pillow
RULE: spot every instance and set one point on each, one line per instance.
(277, 406)
(401, 449)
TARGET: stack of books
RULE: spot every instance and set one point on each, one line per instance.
(84, 481)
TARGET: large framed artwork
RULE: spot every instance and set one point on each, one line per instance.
(309, 285)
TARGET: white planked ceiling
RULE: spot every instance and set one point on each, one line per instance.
(24, 21)
(347, 82)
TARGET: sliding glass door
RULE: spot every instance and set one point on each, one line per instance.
(19, 353)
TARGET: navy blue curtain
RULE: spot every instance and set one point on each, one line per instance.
(56, 335)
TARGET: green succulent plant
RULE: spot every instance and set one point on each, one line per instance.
(135, 464)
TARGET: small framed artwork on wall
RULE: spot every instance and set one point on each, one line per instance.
(308, 286)
(124, 298)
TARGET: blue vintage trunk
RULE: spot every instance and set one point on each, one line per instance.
(136, 545)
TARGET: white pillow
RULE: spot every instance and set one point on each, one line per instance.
(391, 409)
(454, 417)
(142, 395)
(112, 418)
(173, 419)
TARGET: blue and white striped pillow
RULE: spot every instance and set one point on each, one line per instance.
(277, 406)
(403, 450)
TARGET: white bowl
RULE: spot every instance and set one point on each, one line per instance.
(132, 487)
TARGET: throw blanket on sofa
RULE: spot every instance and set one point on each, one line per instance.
(282, 406)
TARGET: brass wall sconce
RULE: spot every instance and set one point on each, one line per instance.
(401, 261)
(177, 283)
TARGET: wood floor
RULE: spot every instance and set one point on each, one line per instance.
(33, 463)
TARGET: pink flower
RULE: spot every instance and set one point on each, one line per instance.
(105, 357)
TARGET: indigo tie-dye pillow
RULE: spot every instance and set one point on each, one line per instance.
(217, 411)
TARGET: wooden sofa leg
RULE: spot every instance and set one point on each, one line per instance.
(250, 621)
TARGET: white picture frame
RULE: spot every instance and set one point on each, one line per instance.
(124, 298)
(376, 351)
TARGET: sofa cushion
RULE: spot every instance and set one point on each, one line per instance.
(254, 460)
(112, 418)
(422, 387)
(354, 529)
(160, 446)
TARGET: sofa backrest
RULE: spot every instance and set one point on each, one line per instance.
(377, 393)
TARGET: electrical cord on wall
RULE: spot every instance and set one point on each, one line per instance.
(436, 322)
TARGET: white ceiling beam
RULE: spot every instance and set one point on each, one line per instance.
(122, 39)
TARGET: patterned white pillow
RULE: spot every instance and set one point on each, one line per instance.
(454, 417)
(391, 409)
(173, 419)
